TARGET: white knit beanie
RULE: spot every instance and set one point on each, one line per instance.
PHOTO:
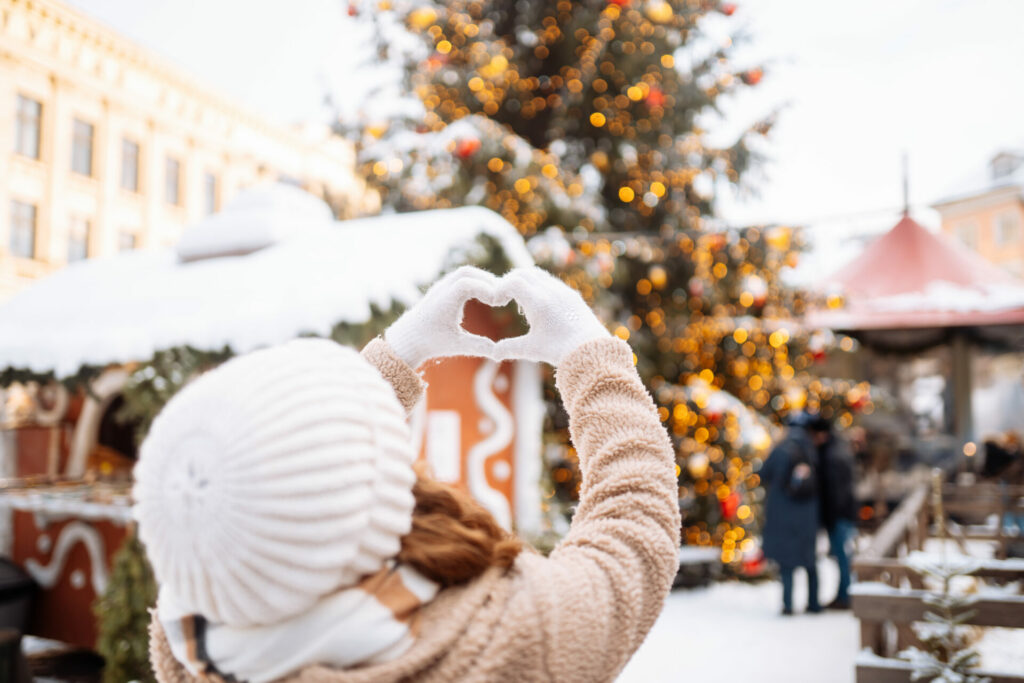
(273, 480)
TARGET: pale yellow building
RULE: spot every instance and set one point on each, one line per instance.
(106, 147)
(986, 212)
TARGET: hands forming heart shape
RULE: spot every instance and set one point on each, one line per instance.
(560, 320)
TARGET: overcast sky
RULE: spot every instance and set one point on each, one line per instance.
(859, 83)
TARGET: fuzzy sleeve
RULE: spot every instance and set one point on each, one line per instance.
(408, 385)
(602, 588)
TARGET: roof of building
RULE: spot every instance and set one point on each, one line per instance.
(272, 266)
(983, 179)
(910, 278)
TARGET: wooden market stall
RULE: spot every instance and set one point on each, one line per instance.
(912, 291)
(272, 266)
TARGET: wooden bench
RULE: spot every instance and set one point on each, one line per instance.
(698, 566)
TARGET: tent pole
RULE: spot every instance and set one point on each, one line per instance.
(963, 419)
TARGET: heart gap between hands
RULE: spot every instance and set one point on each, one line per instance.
(494, 322)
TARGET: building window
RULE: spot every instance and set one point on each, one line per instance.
(81, 147)
(968, 234)
(210, 193)
(172, 181)
(129, 165)
(78, 239)
(23, 229)
(126, 240)
(1004, 164)
(1007, 230)
(28, 124)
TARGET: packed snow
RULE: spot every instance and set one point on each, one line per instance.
(310, 275)
(256, 219)
(949, 296)
(734, 632)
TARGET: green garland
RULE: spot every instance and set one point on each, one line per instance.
(123, 615)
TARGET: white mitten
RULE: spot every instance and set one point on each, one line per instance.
(433, 327)
(560, 320)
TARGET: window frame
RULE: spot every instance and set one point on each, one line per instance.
(78, 128)
(16, 228)
(21, 117)
(121, 235)
(211, 193)
(126, 144)
(170, 161)
(1004, 220)
(960, 228)
(72, 224)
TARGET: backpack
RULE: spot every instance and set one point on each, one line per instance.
(801, 481)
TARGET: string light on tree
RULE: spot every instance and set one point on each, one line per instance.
(585, 116)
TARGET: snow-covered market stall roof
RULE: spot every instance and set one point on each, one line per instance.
(273, 265)
(913, 280)
(912, 289)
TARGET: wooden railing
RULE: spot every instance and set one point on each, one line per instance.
(898, 575)
(894, 599)
(905, 529)
(979, 502)
(900, 609)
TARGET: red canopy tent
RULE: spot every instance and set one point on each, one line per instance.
(912, 289)
(911, 278)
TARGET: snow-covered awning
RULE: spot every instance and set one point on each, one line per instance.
(126, 307)
(911, 279)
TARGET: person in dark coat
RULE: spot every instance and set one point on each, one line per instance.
(791, 510)
(837, 502)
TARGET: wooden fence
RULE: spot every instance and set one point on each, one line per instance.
(894, 598)
(974, 505)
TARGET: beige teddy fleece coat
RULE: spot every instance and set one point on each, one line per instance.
(579, 614)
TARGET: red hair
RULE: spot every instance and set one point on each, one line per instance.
(453, 538)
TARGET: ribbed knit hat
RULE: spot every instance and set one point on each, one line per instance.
(273, 480)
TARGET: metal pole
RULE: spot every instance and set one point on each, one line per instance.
(906, 184)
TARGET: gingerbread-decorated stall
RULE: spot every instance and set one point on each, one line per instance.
(89, 354)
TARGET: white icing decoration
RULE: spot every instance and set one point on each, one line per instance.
(47, 576)
(500, 438)
(502, 470)
(43, 543)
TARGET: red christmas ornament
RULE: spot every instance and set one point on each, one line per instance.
(752, 77)
(727, 8)
(620, 3)
(655, 97)
(467, 147)
(352, 10)
(730, 504)
(753, 564)
(436, 61)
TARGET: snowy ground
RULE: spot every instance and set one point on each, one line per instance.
(734, 632)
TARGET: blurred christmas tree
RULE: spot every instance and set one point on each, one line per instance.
(582, 124)
(947, 657)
